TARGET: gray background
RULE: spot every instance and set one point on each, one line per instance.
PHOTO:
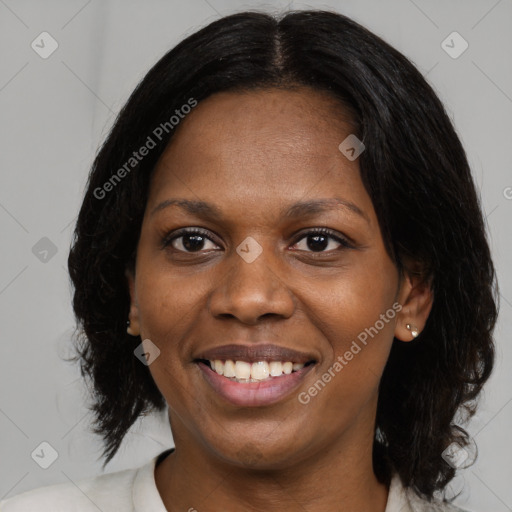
(56, 111)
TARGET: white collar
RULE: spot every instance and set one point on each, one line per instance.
(145, 495)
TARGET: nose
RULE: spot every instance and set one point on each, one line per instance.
(250, 291)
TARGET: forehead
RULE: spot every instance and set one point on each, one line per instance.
(277, 119)
(259, 145)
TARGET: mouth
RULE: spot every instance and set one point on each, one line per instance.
(255, 380)
(259, 371)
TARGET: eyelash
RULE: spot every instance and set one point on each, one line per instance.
(170, 237)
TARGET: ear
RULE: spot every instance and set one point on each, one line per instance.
(133, 328)
(416, 297)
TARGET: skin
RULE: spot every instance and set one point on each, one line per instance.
(252, 154)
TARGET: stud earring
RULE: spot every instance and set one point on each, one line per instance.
(129, 329)
(413, 329)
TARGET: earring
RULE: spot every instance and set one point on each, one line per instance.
(413, 329)
(129, 329)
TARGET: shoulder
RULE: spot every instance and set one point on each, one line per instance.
(108, 492)
(402, 499)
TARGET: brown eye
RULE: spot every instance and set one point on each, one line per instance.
(321, 239)
(189, 240)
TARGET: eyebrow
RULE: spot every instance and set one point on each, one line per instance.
(299, 209)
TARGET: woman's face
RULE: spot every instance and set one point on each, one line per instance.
(268, 164)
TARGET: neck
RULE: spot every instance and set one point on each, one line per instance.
(338, 477)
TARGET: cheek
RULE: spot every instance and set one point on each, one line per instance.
(345, 388)
(358, 335)
(171, 307)
(356, 317)
(167, 307)
(349, 305)
(166, 302)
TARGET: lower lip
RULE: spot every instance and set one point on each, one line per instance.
(254, 394)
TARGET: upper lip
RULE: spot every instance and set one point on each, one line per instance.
(254, 353)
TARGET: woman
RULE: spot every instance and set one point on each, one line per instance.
(282, 243)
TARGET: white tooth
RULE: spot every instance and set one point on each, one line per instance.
(287, 367)
(260, 370)
(297, 366)
(212, 364)
(242, 370)
(229, 368)
(219, 366)
(276, 368)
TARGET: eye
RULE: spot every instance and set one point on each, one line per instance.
(320, 239)
(189, 240)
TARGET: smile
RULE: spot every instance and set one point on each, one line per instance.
(259, 383)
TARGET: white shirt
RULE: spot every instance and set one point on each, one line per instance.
(134, 490)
